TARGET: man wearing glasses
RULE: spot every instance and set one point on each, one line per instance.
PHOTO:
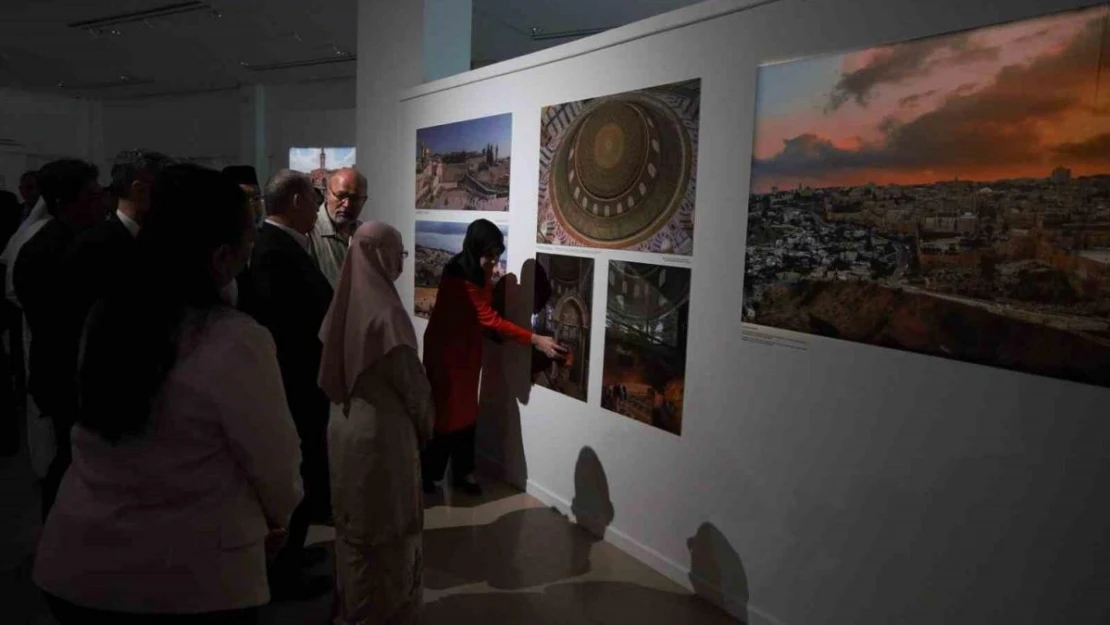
(337, 221)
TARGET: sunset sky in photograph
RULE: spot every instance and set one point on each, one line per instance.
(1009, 101)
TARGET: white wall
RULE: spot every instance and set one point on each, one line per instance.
(221, 125)
(47, 127)
(316, 114)
(854, 484)
(203, 126)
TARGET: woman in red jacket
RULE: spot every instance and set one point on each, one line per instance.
(453, 352)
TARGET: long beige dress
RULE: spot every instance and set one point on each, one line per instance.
(374, 456)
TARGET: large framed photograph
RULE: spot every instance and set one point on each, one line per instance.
(647, 316)
(465, 165)
(948, 196)
(319, 163)
(620, 171)
(567, 316)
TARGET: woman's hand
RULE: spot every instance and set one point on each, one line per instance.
(548, 346)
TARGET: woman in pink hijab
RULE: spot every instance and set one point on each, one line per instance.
(382, 414)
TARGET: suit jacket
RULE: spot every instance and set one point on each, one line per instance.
(43, 288)
(175, 520)
(97, 264)
(284, 290)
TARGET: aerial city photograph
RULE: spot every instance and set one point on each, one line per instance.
(465, 165)
(949, 196)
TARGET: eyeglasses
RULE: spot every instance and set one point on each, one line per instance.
(348, 197)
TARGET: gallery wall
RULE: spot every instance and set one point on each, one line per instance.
(202, 125)
(308, 114)
(44, 126)
(851, 483)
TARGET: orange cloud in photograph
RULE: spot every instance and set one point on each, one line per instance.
(1007, 101)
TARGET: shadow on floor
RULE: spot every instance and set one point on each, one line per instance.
(584, 602)
(492, 491)
(520, 549)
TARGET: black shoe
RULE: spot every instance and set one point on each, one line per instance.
(469, 488)
(300, 588)
(429, 488)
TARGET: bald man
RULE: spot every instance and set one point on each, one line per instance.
(337, 221)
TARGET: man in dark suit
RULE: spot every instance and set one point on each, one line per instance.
(42, 283)
(284, 290)
(101, 256)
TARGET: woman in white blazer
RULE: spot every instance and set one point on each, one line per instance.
(185, 457)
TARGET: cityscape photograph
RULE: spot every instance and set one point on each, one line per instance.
(465, 165)
(436, 243)
(318, 163)
(948, 196)
(646, 320)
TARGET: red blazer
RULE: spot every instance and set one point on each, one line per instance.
(453, 349)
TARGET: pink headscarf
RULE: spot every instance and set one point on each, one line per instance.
(366, 319)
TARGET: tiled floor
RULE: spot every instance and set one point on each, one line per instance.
(502, 558)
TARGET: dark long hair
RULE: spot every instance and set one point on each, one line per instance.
(131, 338)
(482, 238)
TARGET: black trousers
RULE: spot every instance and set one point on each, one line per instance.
(66, 614)
(454, 447)
(317, 499)
(62, 459)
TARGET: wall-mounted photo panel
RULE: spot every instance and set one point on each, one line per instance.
(946, 196)
(465, 165)
(566, 295)
(646, 318)
(436, 243)
(619, 172)
(320, 162)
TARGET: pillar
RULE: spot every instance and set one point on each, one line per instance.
(390, 59)
(447, 32)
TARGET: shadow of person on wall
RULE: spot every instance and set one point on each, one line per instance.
(506, 382)
(716, 572)
(592, 508)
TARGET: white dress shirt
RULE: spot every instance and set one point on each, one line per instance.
(301, 239)
(30, 226)
(128, 223)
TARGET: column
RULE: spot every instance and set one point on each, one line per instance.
(252, 130)
(389, 59)
(447, 32)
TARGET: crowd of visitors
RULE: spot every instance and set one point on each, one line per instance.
(207, 366)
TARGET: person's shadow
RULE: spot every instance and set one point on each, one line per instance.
(540, 550)
(507, 381)
(716, 571)
(524, 548)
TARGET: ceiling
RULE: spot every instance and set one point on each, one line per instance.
(200, 45)
(502, 29)
(133, 48)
